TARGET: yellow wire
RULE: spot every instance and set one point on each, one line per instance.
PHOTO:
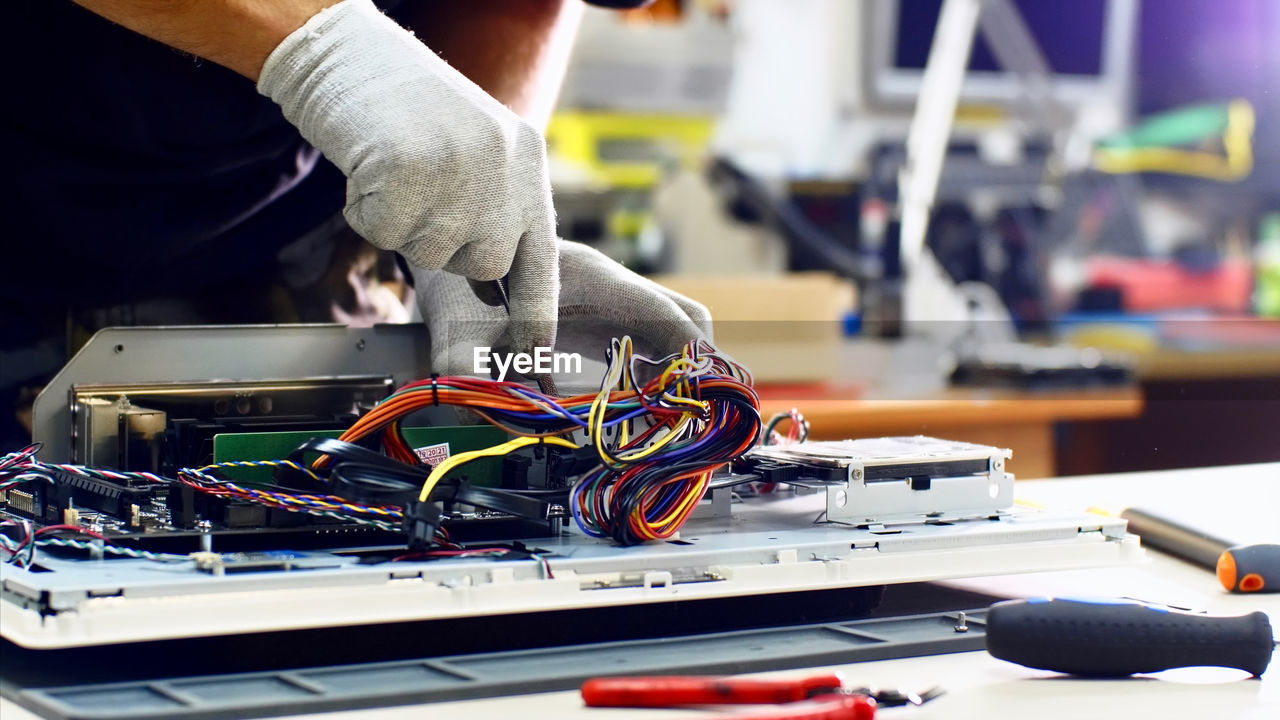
(626, 382)
(666, 439)
(654, 530)
(688, 499)
(465, 457)
(616, 375)
(599, 406)
(1176, 162)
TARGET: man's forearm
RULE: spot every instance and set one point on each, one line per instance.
(238, 34)
(517, 50)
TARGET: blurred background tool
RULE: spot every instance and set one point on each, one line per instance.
(1114, 638)
(1240, 568)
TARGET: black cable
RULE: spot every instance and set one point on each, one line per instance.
(370, 485)
(733, 480)
(361, 475)
(364, 476)
(787, 217)
(502, 501)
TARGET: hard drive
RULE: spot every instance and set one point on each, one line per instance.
(897, 479)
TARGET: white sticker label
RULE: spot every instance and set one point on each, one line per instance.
(433, 455)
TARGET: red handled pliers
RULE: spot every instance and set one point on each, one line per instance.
(817, 697)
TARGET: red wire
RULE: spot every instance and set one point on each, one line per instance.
(71, 528)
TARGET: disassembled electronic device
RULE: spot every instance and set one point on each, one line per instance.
(182, 495)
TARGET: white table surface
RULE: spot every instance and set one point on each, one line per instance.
(1239, 502)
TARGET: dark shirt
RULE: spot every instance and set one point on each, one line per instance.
(137, 170)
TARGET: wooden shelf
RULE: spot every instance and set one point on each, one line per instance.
(856, 416)
(1165, 364)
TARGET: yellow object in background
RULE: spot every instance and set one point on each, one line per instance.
(627, 150)
(1117, 337)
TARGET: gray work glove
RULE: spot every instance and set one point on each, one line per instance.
(599, 300)
(436, 168)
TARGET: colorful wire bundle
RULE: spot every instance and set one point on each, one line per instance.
(513, 407)
(703, 414)
(384, 517)
(698, 413)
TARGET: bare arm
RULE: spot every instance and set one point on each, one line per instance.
(515, 49)
(238, 34)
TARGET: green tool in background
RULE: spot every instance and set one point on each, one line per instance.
(1213, 141)
(485, 472)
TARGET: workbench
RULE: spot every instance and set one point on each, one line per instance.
(1240, 502)
(981, 687)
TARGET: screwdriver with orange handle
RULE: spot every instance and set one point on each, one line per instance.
(1250, 568)
(1240, 568)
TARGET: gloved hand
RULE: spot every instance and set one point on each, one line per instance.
(599, 300)
(436, 168)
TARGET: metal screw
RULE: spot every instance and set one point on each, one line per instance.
(206, 535)
(962, 625)
(360, 345)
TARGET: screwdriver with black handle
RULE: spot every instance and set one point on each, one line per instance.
(1103, 638)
